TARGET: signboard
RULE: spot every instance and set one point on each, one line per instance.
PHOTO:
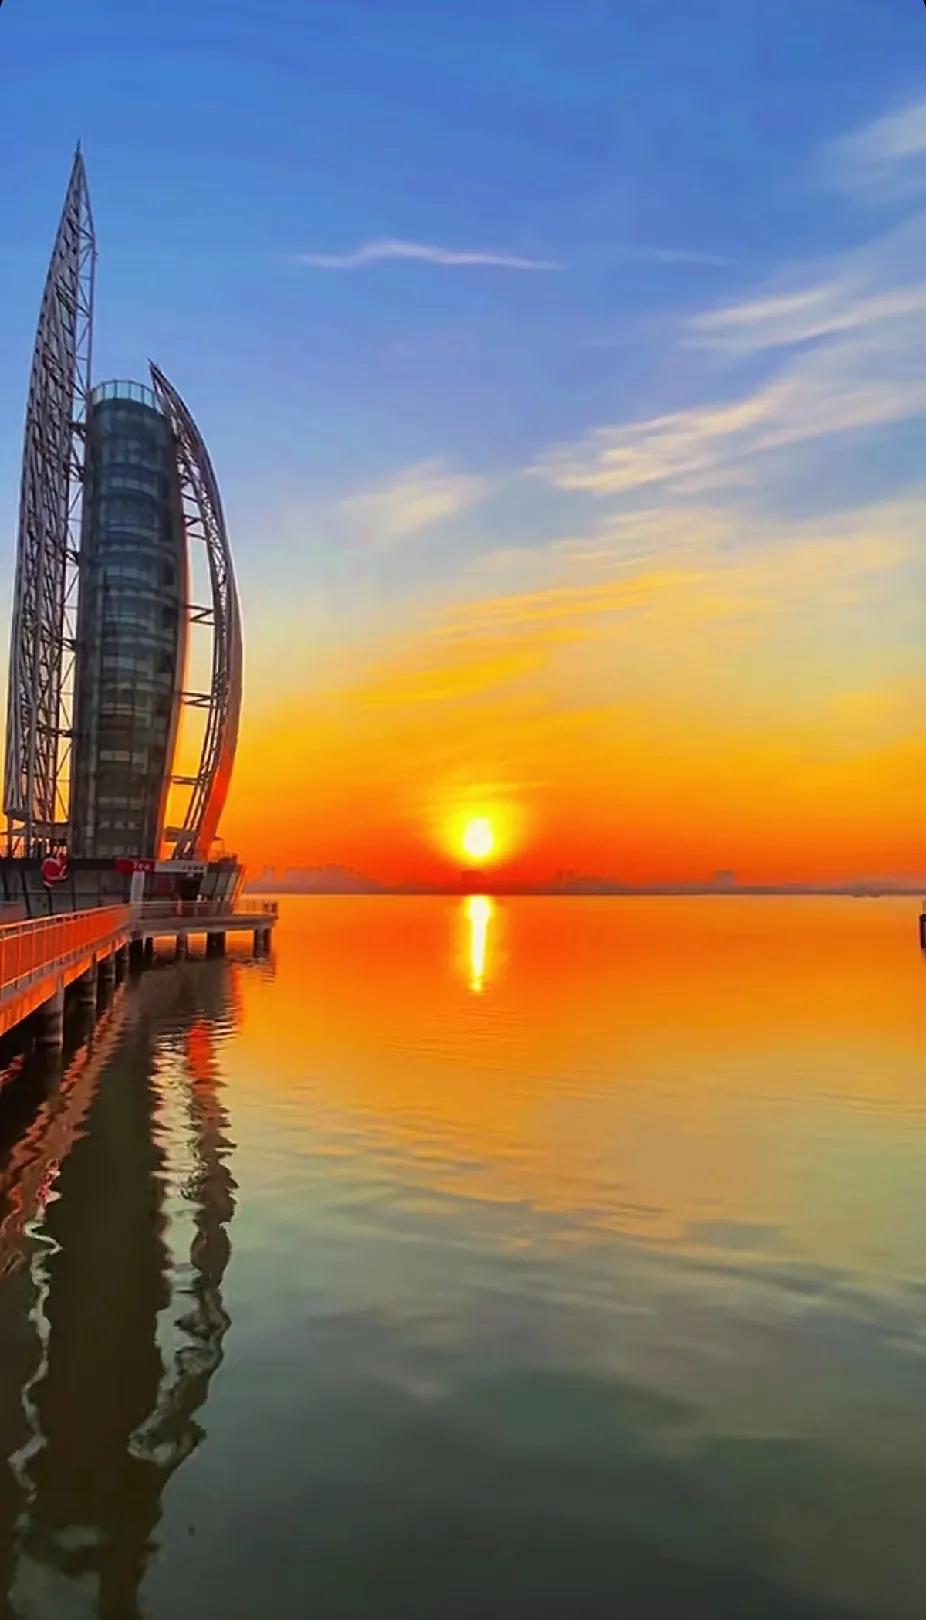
(54, 869)
(131, 863)
(181, 868)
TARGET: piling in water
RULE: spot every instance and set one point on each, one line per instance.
(51, 1023)
(86, 988)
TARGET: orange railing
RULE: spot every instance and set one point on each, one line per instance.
(44, 942)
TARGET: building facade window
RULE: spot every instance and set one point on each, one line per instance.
(131, 627)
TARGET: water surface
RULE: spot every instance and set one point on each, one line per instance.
(470, 1258)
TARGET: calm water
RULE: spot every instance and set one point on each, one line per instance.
(538, 1258)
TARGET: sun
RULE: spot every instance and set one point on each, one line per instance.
(477, 830)
(478, 838)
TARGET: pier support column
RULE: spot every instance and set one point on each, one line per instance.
(215, 944)
(181, 946)
(149, 951)
(87, 988)
(51, 1023)
(137, 955)
(268, 938)
(923, 930)
(121, 962)
(258, 942)
(106, 974)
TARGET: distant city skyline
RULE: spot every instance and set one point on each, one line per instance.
(343, 880)
(565, 375)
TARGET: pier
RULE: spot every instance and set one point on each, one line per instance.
(42, 957)
(156, 919)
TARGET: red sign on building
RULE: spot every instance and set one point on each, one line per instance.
(54, 869)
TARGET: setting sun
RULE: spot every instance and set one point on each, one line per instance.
(478, 838)
(477, 830)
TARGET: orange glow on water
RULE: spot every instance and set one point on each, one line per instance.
(461, 1021)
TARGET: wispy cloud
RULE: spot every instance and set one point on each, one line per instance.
(409, 502)
(647, 254)
(659, 449)
(771, 321)
(843, 345)
(820, 312)
(695, 448)
(886, 158)
(707, 577)
(393, 248)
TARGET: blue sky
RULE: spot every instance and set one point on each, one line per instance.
(223, 140)
(651, 288)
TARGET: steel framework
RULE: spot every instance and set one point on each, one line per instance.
(39, 728)
(204, 521)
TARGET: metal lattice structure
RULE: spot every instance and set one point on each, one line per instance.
(42, 648)
(204, 521)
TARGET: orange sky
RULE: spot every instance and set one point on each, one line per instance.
(704, 705)
(651, 598)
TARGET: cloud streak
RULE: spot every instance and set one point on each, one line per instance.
(811, 401)
(395, 249)
(819, 312)
(842, 343)
(670, 255)
(885, 158)
(409, 502)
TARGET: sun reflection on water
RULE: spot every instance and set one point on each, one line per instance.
(478, 910)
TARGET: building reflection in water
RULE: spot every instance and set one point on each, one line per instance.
(35, 1143)
(104, 1374)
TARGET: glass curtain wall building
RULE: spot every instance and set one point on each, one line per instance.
(117, 491)
(131, 627)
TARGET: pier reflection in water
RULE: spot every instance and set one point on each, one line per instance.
(577, 1270)
(116, 1335)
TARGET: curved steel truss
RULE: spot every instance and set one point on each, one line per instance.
(41, 679)
(204, 520)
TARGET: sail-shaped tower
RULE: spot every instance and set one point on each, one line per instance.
(119, 502)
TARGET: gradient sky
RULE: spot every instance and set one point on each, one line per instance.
(564, 371)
